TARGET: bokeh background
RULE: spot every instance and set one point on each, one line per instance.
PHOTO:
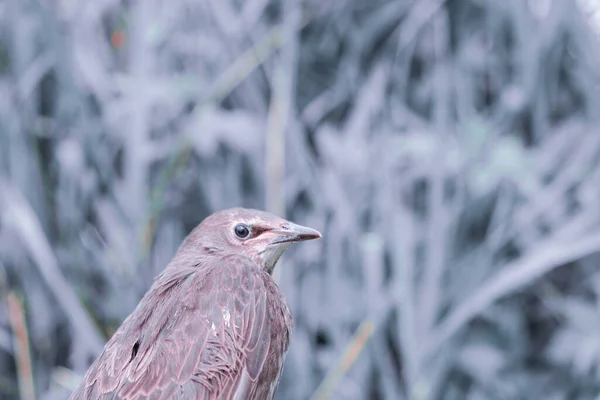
(448, 150)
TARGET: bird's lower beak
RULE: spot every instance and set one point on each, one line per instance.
(290, 232)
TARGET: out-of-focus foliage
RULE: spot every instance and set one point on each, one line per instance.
(448, 150)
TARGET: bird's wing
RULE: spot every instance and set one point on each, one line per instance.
(205, 337)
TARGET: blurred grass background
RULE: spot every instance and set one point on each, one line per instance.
(448, 150)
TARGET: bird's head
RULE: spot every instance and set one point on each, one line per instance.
(257, 234)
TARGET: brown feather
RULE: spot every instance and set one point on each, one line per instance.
(213, 331)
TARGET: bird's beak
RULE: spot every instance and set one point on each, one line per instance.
(290, 232)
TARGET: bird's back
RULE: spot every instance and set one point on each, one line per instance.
(219, 330)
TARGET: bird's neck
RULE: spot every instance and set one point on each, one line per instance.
(269, 258)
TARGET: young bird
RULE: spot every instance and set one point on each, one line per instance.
(214, 324)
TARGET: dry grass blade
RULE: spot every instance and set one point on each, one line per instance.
(348, 358)
(21, 344)
(281, 109)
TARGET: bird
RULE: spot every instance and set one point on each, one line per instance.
(213, 325)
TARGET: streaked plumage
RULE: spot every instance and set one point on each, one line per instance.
(214, 324)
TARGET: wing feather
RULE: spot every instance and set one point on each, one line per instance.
(199, 334)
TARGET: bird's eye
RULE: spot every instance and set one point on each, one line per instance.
(242, 231)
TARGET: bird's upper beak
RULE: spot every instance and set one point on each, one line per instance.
(290, 232)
